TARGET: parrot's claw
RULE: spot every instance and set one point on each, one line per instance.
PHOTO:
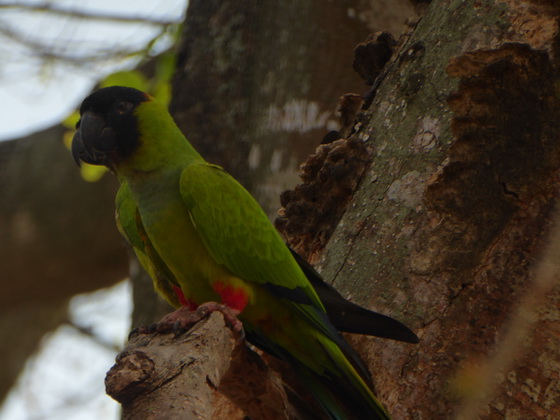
(241, 333)
(229, 315)
(178, 329)
(143, 329)
(181, 320)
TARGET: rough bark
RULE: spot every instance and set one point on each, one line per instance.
(455, 208)
(186, 377)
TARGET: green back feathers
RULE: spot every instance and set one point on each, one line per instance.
(237, 232)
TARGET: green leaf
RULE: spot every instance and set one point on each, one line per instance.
(92, 173)
(67, 138)
(162, 92)
(71, 120)
(165, 66)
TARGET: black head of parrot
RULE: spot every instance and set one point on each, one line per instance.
(107, 130)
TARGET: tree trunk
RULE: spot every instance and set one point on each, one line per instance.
(58, 239)
(455, 209)
(257, 83)
(58, 231)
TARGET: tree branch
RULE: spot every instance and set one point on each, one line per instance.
(63, 11)
(76, 57)
(187, 377)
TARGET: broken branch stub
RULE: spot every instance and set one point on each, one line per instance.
(186, 377)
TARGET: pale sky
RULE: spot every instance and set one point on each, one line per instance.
(34, 96)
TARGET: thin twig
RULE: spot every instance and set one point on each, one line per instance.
(55, 9)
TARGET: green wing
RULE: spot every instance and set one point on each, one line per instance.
(237, 232)
(131, 228)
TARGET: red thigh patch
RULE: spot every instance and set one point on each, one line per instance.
(235, 298)
(191, 305)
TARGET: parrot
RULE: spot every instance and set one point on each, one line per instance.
(346, 316)
(203, 238)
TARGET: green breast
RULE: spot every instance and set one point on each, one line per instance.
(175, 239)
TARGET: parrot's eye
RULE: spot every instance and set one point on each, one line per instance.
(124, 107)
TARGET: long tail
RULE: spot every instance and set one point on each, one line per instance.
(341, 390)
(341, 385)
(349, 317)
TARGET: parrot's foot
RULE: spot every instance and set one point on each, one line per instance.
(230, 315)
(182, 319)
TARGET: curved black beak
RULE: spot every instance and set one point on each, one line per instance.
(93, 141)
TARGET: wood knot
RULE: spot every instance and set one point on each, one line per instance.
(129, 376)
